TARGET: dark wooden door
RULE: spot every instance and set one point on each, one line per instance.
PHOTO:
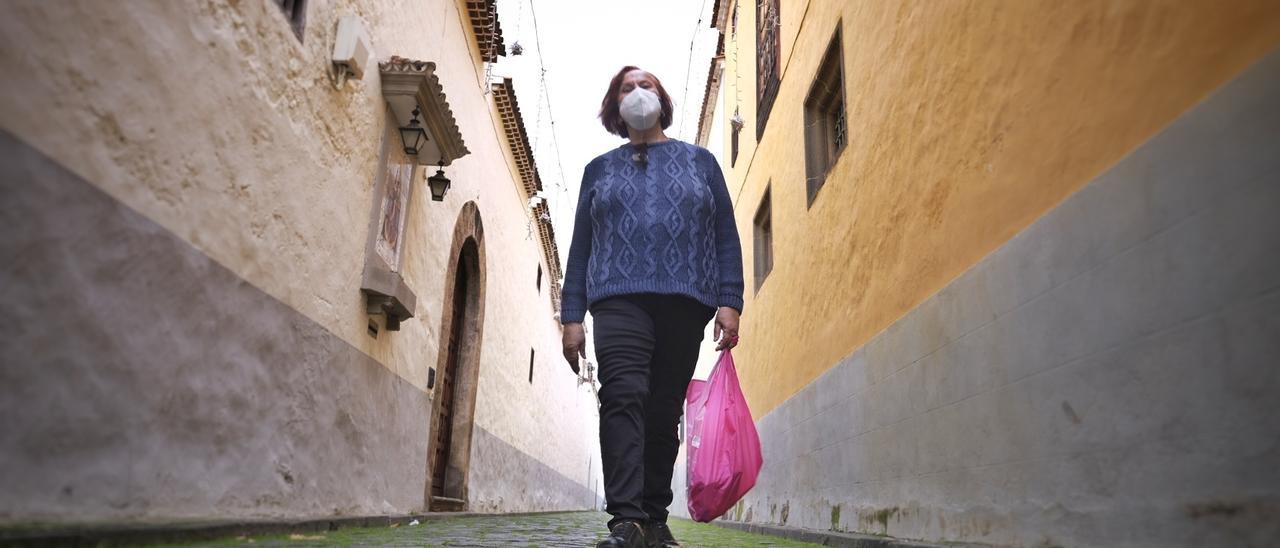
(448, 380)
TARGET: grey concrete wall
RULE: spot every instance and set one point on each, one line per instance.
(1108, 377)
(142, 380)
(505, 479)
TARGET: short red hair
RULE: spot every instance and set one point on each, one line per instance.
(612, 119)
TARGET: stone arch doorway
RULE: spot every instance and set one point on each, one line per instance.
(458, 366)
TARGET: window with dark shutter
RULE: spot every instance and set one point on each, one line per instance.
(296, 12)
(733, 25)
(768, 61)
(763, 239)
(825, 126)
(733, 146)
(530, 366)
(539, 278)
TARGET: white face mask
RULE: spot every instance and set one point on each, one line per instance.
(640, 109)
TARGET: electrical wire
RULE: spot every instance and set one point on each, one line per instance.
(684, 96)
(546, 90)
(545, 93)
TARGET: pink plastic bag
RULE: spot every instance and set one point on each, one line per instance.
(722, 443)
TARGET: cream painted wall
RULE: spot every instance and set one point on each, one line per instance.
(210, 118)
(553, 418)
(707, 354)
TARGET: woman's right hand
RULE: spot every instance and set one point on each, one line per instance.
(575, 344)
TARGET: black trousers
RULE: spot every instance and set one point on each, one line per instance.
(647, 346)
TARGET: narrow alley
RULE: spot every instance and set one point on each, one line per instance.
(626, 273)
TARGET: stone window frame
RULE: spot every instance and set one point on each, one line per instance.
(383, 198)
(768, 61)
(762, 237)
(825, 117)
(295, 11)
(382, 283)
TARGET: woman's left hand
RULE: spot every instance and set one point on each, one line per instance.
(726, 330)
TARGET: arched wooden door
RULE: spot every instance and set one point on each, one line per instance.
(458, 368)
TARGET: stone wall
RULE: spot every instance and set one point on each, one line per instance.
(144, 380)
(198, 345)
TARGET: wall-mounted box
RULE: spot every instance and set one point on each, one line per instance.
(352, 50)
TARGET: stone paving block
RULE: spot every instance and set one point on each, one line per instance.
(574, 529)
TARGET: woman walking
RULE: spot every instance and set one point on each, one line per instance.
(655, 256)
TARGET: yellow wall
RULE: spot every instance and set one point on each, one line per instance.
(967, 121)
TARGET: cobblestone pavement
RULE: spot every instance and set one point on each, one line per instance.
(574, 529)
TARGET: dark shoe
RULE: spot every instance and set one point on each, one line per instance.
(660, 536)
(626, 534)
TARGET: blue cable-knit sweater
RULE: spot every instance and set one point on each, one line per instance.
(662, 227)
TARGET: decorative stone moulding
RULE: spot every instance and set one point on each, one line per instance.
(406, 84)
(386, 293)
(488, 30)
(504, 96)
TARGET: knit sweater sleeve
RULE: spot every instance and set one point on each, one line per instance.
(728, 246)
(573, 299)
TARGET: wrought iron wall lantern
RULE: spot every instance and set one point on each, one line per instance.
(430, 133)
(413, 136)
(439, 184)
